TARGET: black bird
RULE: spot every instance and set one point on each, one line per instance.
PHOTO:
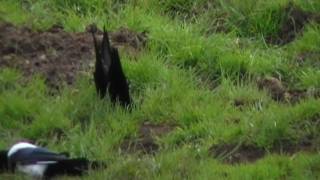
(102, 65)
(119, 88)
(108, 74)
(42, 163)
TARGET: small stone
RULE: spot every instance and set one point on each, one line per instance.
(43, 57)
(7, 57)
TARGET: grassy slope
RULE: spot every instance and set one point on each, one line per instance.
(186, 54)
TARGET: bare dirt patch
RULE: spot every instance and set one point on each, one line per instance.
(146, 141)
(57, 55)
(236, 153)
(308, 131)
(279, 92)
(290, 148)
(125, 37)
(231, 153)
(292, 24)
(274, 86)
(296, 95)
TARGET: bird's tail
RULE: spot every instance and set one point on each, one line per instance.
(105, 52)
(4, 166)
(73, 167)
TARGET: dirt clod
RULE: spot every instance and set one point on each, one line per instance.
(274, 87)
(295, 95)
(280, 93)
(146, 141)
(126, 38)
(242, 103)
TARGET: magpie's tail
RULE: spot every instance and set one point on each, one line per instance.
(4, 166)
(72, 167)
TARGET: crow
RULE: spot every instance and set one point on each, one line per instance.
(41, 163)
(108, 75)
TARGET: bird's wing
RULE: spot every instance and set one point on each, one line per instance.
(119, 87)
(35, 155)
(102, 51)
(105, 52)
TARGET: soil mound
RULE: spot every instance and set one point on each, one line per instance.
(293, 22)
(146, 141)
(57, 55)
(236, 153)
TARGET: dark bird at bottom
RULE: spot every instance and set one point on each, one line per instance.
(108, 75)
(41, 163)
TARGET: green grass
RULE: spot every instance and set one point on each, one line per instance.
(189, 74)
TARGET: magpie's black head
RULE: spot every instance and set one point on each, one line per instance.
(4, 161)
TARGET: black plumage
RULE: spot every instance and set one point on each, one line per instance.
(102, 65)
(108, 75)
(71, 167)
(118, 89)
(4, 167)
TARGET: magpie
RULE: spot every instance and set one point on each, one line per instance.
(41, 163)
(108, 75)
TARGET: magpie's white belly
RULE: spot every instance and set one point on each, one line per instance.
(33, 170)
